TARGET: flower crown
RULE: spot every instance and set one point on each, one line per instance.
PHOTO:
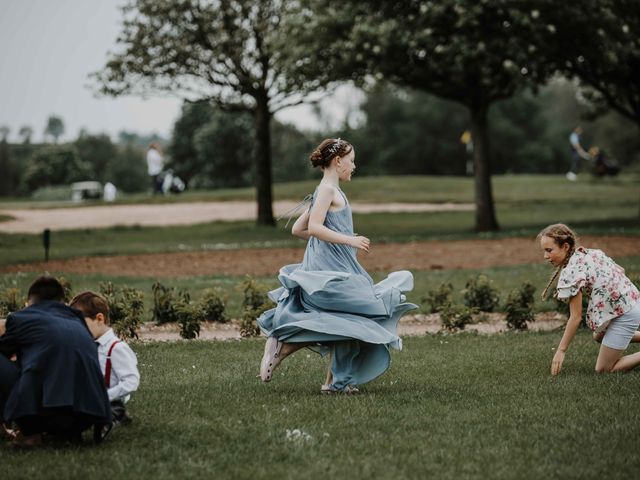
(335, 148)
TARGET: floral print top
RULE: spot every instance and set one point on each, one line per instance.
(610, 292)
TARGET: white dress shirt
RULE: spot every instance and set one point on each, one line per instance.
(125, 377)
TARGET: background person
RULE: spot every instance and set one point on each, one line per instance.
(155, 164)
(577, 154)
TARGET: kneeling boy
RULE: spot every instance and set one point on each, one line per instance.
(118, 362)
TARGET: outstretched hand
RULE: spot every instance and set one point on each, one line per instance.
(556, 363)
(361, 243)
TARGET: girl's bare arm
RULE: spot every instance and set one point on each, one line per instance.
(575, 317)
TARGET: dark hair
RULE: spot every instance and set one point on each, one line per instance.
(330, 148)
(91, 304)
(45, 288)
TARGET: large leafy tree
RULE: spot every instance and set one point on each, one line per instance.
(473, 52)
(231, 52)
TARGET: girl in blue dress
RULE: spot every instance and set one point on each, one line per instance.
(329, 303)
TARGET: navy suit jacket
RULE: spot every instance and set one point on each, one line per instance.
(58, 361)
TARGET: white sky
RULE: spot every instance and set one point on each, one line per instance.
(48, 49)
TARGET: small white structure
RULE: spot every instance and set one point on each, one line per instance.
(110, 192)
(85, 190)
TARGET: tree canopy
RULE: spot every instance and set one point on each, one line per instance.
(231, 52)
(474, 53)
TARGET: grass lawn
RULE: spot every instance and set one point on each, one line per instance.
(524, 204)
(380, 227)
(407, 188)
(461, 406)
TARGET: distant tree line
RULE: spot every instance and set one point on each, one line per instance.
(402, 131)
(28, 167)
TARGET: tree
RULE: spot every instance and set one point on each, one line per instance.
(185, 161)
(223, 151)
(96, 150)
(54, 128)
(55, 165)
(597, 41)
(232, 52)
(26, 132)
(10, 175)
(4, 132)
(127, 170)
(474, 53)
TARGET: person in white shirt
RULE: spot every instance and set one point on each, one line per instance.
(118, 362)
(577, 153)
(155, 164)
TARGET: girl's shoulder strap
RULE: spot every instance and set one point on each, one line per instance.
(308, 200)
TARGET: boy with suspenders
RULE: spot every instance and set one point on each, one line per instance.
(118, 362)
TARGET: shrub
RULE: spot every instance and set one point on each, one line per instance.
(10, 301)
(255, 303)
(479, 293)
(213, 303)
(438, 298)
(456, 317)
(126, 307)
(189, 317)
(164, 300)
(519, 307)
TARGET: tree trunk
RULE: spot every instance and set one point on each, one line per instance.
(263, 162)
(485, 212)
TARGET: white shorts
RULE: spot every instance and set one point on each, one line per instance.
(621, 329)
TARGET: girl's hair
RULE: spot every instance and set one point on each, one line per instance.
(560, 234)
(330, 148)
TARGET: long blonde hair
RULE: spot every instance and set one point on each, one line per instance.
(560, 234)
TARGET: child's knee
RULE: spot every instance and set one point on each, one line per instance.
(604, 368)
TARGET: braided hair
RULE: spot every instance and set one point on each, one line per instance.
(560, 234)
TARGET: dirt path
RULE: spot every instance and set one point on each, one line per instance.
(36, 220)
(419, 324)
(430, 255)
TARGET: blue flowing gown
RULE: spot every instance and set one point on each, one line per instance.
(329, 300)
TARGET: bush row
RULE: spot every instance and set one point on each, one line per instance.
(173, 305)
(170, 305)
(479, 295)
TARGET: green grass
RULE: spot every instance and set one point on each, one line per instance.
(380, 227)
(504, 280)
(460, 407)
(524, 204)
(409, 188)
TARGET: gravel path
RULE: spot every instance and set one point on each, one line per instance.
(36, 220)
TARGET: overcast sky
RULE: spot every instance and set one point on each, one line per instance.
(49, 47)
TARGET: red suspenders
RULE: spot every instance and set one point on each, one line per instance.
(107, 368)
